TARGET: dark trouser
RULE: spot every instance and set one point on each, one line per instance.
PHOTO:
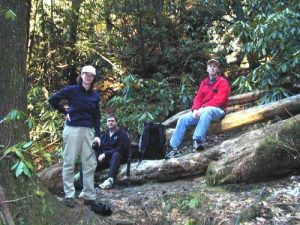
(112, 162)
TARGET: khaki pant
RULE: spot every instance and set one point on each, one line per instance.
(78, 141)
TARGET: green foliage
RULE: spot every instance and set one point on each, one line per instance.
(23, 165)
(142, 100)
(48, 122)
(7, 13)
(149, 100)
(273, 39)
(24, 151)
(190, 203)
(190, 222)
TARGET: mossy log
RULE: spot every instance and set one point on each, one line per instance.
(148, 170)
(231, 154)
(233, 121)
(260, 155)
(233, 101)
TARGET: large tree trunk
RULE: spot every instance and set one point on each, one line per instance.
(13, 48)
(236, 120)
(74, 20)
(22, 200)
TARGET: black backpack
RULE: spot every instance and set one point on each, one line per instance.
(152, 143)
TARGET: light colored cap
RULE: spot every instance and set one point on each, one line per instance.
(88, 69)
(213, 61)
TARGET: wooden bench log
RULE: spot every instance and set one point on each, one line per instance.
(191, 164)
(233, 121)
(230, 153)
(233, 100)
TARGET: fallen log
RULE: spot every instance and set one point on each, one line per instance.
(193, 164)
(261, 155)
(234, 100)
(189, 165)
(233, 121)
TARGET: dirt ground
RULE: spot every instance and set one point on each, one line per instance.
(192, 201)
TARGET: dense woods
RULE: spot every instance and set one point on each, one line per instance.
(150, 57)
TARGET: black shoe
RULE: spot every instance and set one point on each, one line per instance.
(198, 146)
(172, 154)
(70, 202)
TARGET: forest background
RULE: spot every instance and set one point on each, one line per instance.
(150, 57)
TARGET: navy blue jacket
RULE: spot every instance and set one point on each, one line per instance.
(118, 142)
(84, 110)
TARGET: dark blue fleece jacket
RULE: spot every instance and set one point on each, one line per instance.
(84, 110)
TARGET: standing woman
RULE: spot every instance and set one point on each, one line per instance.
(82, 128)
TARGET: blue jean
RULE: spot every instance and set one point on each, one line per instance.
(202, 123)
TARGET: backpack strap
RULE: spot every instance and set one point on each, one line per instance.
(144, 139)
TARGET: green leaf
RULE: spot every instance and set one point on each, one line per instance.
(27, 144)
(15, 165)
(20, 154)
(40, 193)
(20, 169)
(10, 15)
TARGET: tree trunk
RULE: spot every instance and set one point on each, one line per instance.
(71, 71)
(13, 48)
(22, 200)
(233, 121)
(240, 16)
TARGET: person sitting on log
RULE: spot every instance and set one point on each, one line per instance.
(114, 148)
(209, 104)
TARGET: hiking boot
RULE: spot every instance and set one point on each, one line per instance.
(70, 202)
(198, 146)
(172, 154)
(89, 202)
(107, 184)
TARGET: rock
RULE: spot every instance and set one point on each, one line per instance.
(52, 178)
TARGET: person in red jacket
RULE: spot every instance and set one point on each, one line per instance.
(209, 104)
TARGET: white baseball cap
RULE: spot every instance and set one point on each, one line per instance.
(88, 69)
(213, 61)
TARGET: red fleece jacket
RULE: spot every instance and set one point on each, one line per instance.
(215, 94)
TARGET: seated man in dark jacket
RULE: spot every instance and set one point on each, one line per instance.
(114, 148)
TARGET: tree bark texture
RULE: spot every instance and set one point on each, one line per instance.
(260, 155)
(8, 219)
(71, 71)
(233, 121)
(26, 200)
(13, 48)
